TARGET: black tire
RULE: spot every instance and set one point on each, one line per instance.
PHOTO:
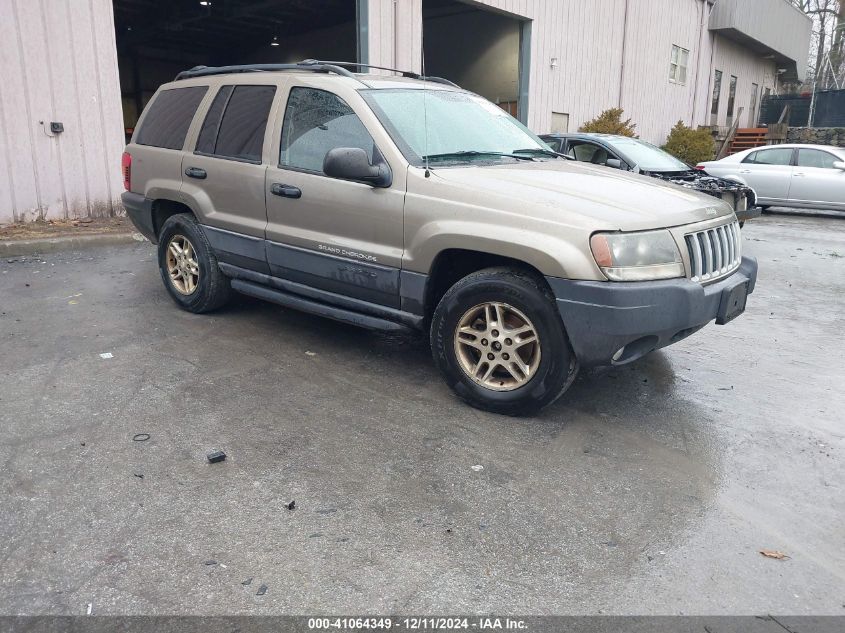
(525, 292)
(764, 208)
(212, 288)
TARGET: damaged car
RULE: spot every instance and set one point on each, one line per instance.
(632, 154)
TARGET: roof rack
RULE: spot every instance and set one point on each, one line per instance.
(314, 65)
(309, 64)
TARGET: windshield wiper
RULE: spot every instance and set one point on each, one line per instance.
(471, 153)
(537, 150)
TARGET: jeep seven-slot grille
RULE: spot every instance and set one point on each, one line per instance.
(714, 253)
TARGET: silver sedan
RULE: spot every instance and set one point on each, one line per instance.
(803, 176)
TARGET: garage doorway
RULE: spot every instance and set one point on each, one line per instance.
(479, 49)
(156, 39)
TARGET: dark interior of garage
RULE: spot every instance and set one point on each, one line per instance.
(158, 38)
(476, 48)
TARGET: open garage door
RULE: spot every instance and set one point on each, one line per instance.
(479, 49)
(156, 39)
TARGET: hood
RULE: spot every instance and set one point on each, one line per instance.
(587, 195)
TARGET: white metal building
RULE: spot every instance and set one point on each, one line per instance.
(91, 65)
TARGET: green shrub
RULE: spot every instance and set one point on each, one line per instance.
(610, 122)
(689, 145)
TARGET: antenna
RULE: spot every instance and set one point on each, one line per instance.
(425, 100)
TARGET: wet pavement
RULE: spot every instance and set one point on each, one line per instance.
(647, 489)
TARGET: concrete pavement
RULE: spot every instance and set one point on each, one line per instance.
(647, 489)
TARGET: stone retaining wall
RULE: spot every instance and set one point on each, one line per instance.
(817, 135)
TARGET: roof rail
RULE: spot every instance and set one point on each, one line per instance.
(314, 65)
(405, 73)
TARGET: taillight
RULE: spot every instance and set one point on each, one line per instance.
(700, 167)
(126, 168)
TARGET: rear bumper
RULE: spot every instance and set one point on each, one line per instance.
(602, 318)
(140, 211)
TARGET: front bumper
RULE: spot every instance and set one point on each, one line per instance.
(613, 323)
(749, 214)
(140, 211)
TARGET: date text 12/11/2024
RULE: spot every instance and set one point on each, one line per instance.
(416, 624)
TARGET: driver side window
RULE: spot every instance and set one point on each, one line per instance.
(315, 122)
(589, 153)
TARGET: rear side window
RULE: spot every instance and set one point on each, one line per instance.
(169, 116)
(236, 121)
(770, 157)
(211, 125)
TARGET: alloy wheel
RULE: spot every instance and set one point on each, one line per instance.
(182, 265)
(497, 346)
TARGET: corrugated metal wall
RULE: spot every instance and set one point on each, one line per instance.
(586, 41)
(779, 25)
(735, 60)
(59, 64)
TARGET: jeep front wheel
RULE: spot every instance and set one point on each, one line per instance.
(499, 342)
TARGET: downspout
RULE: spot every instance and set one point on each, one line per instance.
(698, 62)
(395, 61)
(711, 82)
(624, 44)
(362, 22)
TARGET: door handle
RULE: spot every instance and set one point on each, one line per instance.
(799, 173)
(745, 171)
(285, 191)
(196, 172)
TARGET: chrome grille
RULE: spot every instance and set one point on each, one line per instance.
(714, 253)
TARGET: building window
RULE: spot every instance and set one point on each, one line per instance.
(717, 93)
(560, 122)
(678, 65)
(731, 101)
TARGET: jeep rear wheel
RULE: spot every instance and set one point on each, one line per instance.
(499, 343)
(189, 267)
(182, 265)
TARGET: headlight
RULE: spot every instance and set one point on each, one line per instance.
(637, 256)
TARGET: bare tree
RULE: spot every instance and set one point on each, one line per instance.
(828, 31)
(837, 49)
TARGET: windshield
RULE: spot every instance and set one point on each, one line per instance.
(461, 127)
(646, 156)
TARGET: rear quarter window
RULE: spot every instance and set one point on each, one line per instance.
(169, 116)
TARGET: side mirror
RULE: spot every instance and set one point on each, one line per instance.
(614, 162)
(351, 163)
(840, 164)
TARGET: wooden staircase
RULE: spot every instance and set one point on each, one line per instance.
(748, 138)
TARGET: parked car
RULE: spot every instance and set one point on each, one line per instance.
(631, 154)
(322, 190)
(801, 176)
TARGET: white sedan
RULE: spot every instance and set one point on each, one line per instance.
(803, 176)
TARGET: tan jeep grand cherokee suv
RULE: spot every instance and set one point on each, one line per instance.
(393, 202)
